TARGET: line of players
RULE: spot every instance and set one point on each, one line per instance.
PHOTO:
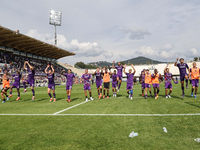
(146, 80)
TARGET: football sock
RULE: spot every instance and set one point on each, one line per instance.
(68, 96)
(158, 91)
(24, 85)
(33, 92)
(50, 95)
(54, 95)
(186, 82)
(182, 89)
(119, 86)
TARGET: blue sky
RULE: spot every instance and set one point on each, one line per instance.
(117, 30)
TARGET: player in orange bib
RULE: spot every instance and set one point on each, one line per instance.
(155, 81)
(147, 82)
(106, 81)
(6, 86)
(194, 76)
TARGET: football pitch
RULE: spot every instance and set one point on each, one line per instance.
(100, 124)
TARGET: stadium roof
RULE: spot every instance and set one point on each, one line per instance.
(23, 43)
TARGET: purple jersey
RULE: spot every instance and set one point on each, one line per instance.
(69, 78)
(51, 78)
(86, 79)
(182, 68)
(142, 77)
(130, 78)
(114, 77)
(168, 77)
(98, 76)
(31, 74)
(119, 70)
(17, 77)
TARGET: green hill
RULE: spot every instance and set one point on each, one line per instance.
(135, 61)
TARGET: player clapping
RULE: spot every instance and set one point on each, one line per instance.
(86, 77)
(51, 84)
(129, 87)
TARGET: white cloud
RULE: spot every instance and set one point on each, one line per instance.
(194, 51)
(82, 49)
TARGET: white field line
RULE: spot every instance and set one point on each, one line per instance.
(145, 115)
(69, 108)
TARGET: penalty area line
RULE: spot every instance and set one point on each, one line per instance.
(140, 115)
(69, 108)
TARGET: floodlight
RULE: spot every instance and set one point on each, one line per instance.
(55, 19)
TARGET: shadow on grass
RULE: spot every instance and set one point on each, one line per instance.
(119, 95)
(195, 104)
(173, 96)
(73, 99)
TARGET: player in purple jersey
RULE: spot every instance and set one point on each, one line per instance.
(119, 68)
(130, 76)
(97, 73)
(16, 84)
(85, 78)
(114, 83)
(31, 80)
(183, 74)
(70, 76)
(142, 80)
(51, 84)
(168, 84)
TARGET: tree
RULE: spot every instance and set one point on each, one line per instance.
(122, 62)
(80, 65)
(195, 58)
(199, 58)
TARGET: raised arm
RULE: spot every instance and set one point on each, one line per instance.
(113, 64)
(52, 69)
(165, 70)
(25, 65)
(133, 69)
(62, 72)
(46, 69)
(175, 64)
(124, 68)
(31, 67)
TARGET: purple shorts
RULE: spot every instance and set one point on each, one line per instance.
(98, 84)
(30, 82)
(147, 85)
(195, 82)
(87, 87)
(168, 85)
(143, 86)
(68, 87)
(129, 86)
(114, 84)
(182, 77)
(16, 85)
(51, 86)
(119, 76)
(156, 85)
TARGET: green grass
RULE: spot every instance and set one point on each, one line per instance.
(100, 132)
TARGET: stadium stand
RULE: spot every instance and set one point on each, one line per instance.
(15, 48)
(77, 71)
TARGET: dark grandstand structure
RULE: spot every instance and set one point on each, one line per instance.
(15, 48)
